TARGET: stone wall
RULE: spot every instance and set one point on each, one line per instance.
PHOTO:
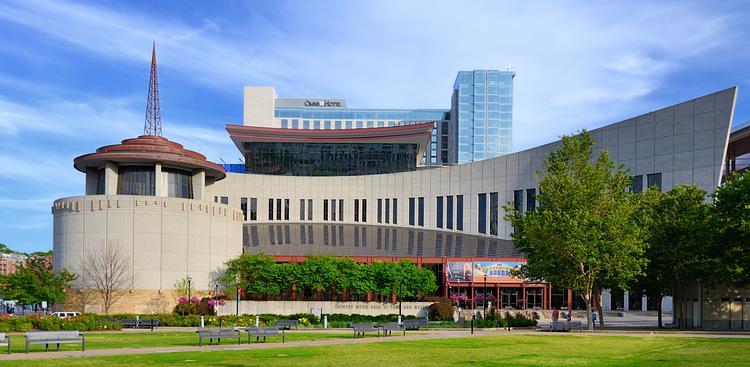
(327, 307)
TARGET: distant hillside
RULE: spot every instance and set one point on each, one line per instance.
(7, 250)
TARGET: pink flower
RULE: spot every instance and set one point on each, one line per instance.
(462, 297)
(182, 300)
(195, 299)
(212, 302)
(221, 302)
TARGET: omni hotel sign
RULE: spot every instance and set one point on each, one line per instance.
(323, 103)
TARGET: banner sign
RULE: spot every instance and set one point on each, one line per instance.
(495, 271)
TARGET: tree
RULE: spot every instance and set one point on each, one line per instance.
(584, 228)
(35, 282)
(318, 273)
(254, 274)
(732, 221)
(680, 241)
(106, 271)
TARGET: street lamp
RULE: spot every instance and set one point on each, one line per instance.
(189, 280)
(484, 299)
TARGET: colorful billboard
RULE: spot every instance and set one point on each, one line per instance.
(459, 271)
(495, 271)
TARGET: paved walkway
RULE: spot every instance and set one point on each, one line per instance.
(423, 335)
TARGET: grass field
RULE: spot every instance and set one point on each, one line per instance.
(501, 350)
(156, 339)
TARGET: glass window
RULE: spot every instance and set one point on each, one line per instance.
(460, 212)
(341, 210)
(530, 199)
(364, 210)
(518, 200)
(449, 212)
(278, 209)
(136, 180)
(482, 214)
(306, 124)
(348, 124)
(243, 207)
(295, 124)
(316, 124)
(309, 209)
(395, 211)
(100, 182)
(301, 209)
(420, 213)
(493, 213)
(654, 179)
(179, 183)
(387, 210)
(333, 209)
(338, 125)
(636, 183)
(411, 211)
(284, 123)
(327, 124)
(356, 210)
(270, 209)
(325, 209)
(253, 209)
(225, 200)
(359, 124)
(286, 209)
(439, 212)
(380, 210)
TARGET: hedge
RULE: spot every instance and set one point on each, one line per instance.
(54, 323)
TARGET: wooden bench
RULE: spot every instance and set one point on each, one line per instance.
(361, 329)
(263, 332)
(218, 334)
(5, 341)
(286, 324)
(54, 337)
(415, 324)
(389, 327)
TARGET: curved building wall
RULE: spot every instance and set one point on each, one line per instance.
(164, 239)
(681, 144)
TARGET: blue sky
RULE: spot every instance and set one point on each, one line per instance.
(73, 76)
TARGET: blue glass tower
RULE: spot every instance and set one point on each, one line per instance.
(482, 107)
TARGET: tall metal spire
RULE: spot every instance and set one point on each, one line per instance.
(153, 111)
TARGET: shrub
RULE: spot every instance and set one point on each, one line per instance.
(441, 311)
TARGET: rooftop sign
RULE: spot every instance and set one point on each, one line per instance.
(311, 102)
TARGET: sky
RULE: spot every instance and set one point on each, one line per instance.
(74, 76)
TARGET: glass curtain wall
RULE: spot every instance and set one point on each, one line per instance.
(179, 183)
(136, 180)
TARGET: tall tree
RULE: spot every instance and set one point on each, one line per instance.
(584, 226)
(732, 220)
(106, 271)
(680, 241)
(35, 282)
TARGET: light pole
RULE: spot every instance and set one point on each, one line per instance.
(189, 280)
(484, 299)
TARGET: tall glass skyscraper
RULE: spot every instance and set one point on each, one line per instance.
(482, 111)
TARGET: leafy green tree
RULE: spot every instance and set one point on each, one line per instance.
(319, 273)
(680, 241)
(584, 227)
(35, 282)
(732, 221)
(255, 274)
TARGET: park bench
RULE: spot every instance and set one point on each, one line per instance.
(389, 327)
(218, 334)
(559, 326)
(54, 337)
(286, 324)
(5, 341)
(263, 332)
(575, 325)
(138, 323)
(361, 329)
(415, 324)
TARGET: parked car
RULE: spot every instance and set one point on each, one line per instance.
(64, 314)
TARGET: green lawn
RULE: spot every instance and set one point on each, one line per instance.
(156, 339)
(501, 350)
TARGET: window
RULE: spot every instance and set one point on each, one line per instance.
(636, 184)
(286, 209)
(449, 212)
(278, 209)
(253, 209)
(420, 214)
(341, 210)
(270, 209)
(482, 214)
(364, 210)
(225, 200)
(460, 212)
(654, 179)
(301, 209)
(179, 183)
(356, 210)
(309, 209)
(295, 124)
(380, 210)
(387, 210)
(216, 199)
(243, 207)
(333, 209)
(439, 212)
(136, 180)
(493, 213)
(395, 211)
(325, 209)
(530, 199)
(518, 200)
(411, 211)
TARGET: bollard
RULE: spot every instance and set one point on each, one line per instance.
(257, 321)
(325, 322)
(473, 316)
(137, 320)
(399, 319)
(203, 323)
